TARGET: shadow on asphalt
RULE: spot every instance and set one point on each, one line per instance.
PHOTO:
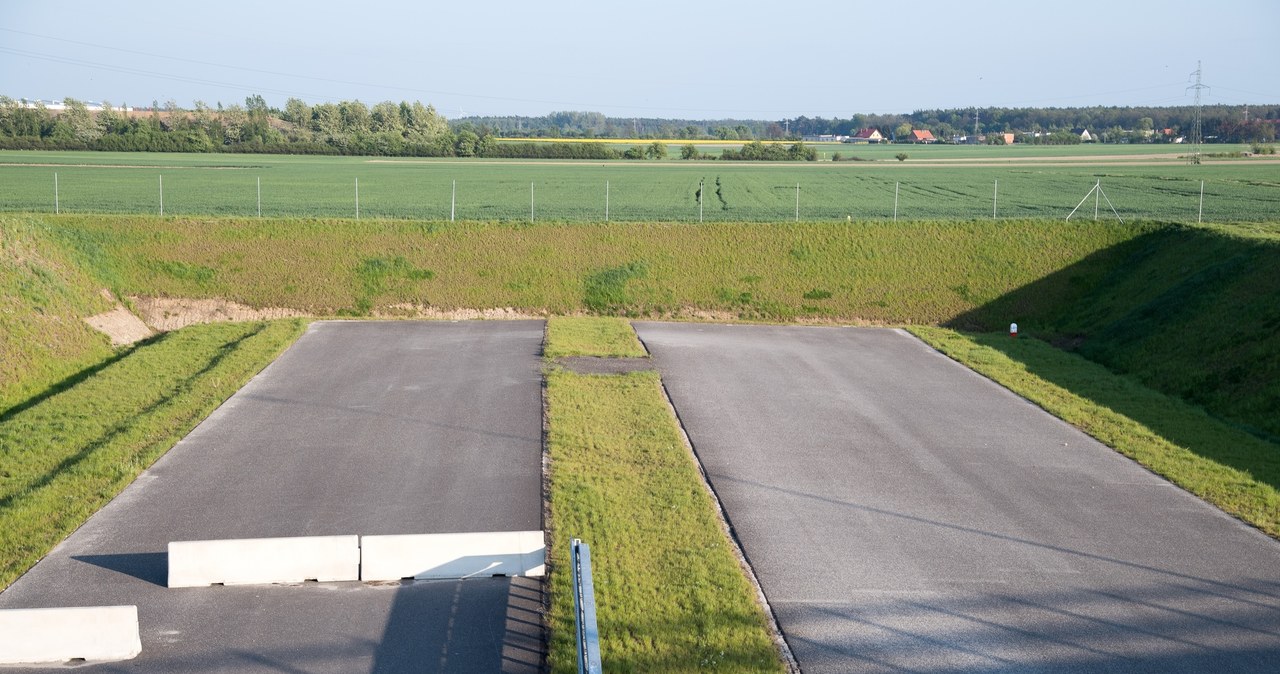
(152, 567)
(432, 625)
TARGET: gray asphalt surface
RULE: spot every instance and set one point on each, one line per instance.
(359, 428)
(904, 514)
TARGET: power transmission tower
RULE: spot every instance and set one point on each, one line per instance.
(975, 125)
(1196, 131)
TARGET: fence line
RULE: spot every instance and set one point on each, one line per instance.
(569, 200)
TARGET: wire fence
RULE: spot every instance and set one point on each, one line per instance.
(773, 196)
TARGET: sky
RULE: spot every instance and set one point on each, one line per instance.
(657, 58)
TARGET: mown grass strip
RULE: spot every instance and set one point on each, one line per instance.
(66, 456)
(590, 336)
(671, 595)
(1229, 468)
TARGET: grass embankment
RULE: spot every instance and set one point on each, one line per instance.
(919, 272)
(1193, 312)
(1233, 470)
(44, 294)
(1190, 311)
(64, 456)
(671, 595)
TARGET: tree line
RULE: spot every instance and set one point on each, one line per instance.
(414, 129)
(1221, 123)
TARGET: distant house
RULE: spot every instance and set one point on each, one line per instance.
(1008, 138)
(1085, 137)
(866, 136)
(922, 136)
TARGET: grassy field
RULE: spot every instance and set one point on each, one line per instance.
(671, 595)
(67, 453)
(1032, 182)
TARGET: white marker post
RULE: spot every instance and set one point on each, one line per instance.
(895, 202)
(453, 201)
(56, 208)
(162, 195)
(357, 198)
(797, 202)
(530, 201)
(995, 199)
(259, 196)
(1200, 215)
(606, 201)
(1013, 330)
(701, 188)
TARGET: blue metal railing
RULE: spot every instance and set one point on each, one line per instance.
(584, 604)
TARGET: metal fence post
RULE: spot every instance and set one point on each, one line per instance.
(584, 604)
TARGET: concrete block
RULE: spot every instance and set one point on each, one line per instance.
(421, 556)
(264, 560)
(92, 633)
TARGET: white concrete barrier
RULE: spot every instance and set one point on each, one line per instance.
(505, 553)
(264, 560)
(45, 635)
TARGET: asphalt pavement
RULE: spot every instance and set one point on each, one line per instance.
(904, 514)
(359, 428)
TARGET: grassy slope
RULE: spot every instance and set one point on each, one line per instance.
(671, 595)
(44, 294)
(1190, 311)
(67, 455)
(1128, 296)
(920, 272)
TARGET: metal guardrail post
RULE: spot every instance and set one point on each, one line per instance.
(584, 604)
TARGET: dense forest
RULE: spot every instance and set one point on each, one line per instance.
(414, 129)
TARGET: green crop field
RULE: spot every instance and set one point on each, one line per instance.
(1012, 182)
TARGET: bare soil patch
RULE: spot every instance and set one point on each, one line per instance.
(171, 313)
(121, 326)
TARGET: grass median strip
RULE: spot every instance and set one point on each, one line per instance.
(590, 336)
(64, 457)
(1231, 469)
(670, 592)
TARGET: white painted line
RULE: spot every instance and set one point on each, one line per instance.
(464, 555)
(264, 560)
(44, 635)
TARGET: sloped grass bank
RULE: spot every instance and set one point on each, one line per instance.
(1193, 312)
(1226, 466)
(65, 456)
(918, 272)
(44, 294)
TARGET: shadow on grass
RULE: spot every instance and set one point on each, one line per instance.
(72, 380)
(126, 424)
(1189, 312)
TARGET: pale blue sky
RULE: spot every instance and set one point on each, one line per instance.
(655, 58)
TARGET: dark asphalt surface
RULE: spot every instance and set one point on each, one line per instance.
(359, 428)
(904, 514)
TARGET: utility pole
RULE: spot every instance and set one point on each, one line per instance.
(1197, 130)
